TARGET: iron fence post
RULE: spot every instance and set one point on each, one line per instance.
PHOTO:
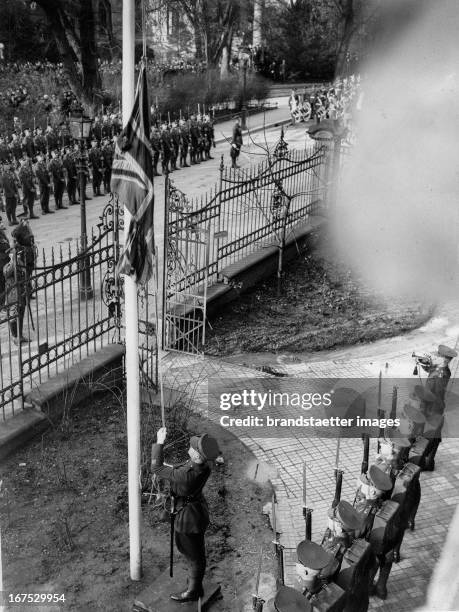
(18, 321)
(86, 291)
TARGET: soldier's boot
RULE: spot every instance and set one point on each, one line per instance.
(429, 464)
(12, 219)
(31, 215)
(183, 162)
(193, 591)
(59, 204)
(412, 518)
(380, 588)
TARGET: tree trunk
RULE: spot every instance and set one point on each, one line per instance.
(258, 10)
(224, 65)
(346, 38)
(75, 38)
(198, 44)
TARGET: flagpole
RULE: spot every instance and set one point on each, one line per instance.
(131, 324)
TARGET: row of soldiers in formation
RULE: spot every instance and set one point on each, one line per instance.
(31, 142)
(363, 539)
(173, 143)
(38, 175)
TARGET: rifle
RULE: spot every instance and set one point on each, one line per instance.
(257, 601)
(171, 551)
(338, 476)
(307, 512)
(393, 410)
(380, 412)
(366, 453)
(277, 547)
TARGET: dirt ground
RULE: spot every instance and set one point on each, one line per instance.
(324, 305)
(63, 504)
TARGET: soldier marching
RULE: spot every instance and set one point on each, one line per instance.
(363, 538)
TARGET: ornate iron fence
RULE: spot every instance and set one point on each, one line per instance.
(69, 302)
(242, 214)
(60, 307)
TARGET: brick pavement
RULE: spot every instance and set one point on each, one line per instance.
(440, 492)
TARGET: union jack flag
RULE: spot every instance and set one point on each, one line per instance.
(132, 181)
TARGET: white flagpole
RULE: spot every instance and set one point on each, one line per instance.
(2, 607)
(131, 322)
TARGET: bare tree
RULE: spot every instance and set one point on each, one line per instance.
(73, 23)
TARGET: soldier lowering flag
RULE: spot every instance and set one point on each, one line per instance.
(132, 181)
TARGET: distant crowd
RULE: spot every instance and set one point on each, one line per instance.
(337, 101)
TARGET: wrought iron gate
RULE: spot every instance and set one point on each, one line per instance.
(186, 255)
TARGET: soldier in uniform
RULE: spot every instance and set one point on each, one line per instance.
(28, 146)
(96, 161)
(5, 153)
(357, 561)
(379, 526)
(315, 573)
(51, 139)
(26, 251)
(439, 374)
(184, 143)
(40, 142)
(9, 187)
(200, 150)
(56, 169)
(166, 148)
(175, 138)
(15, 297)
(107, 155)
(44, 183)
(191, 512)
(208, 136)
(4, 258)
(28, 188)
(155, 141)
(15, 147)
(236, 143)
(71, 174)
(194, 141)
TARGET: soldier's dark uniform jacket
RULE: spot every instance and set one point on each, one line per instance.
(51, 140)
(26, 178)
(40, 143)
(16, 149)
(187, 482)
(9, 184)
(42, 175)
(28, 146)
(4, 152)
